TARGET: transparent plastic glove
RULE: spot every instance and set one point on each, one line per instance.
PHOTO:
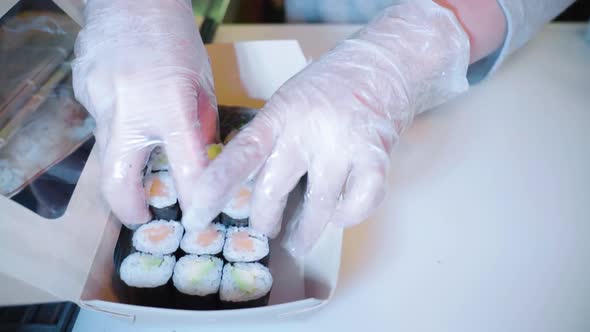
(337, 121)
(143, 73)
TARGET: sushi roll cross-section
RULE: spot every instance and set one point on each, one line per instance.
(197, 279)
(208, 241)
(146, 279)
(245, 285)
(158, 237)
(146, 270)
(237, 210)
(244, 244)
(161, 195)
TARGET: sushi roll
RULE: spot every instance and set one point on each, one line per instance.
(197, 279)
(245, 285)
(158, 160)
(243, 244)
(158, 237)
(146, 278)
(161, 196)
(237, 211)
(205, 242)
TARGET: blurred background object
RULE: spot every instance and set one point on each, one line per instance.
(48, 317)
(337, 11)
(43, 129)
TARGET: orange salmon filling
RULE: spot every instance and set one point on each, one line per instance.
(242, 198)
(157, 234)
(158, 188)
(242, 242)
(207, 237)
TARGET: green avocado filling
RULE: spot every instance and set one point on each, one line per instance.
(199, 270)
(214, 150)
(244, 280)
(150, 262)
(162, 159)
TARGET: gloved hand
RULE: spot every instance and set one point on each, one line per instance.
(142, 71)
(337, 121)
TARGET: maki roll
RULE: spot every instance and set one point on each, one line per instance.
(161, 195)
(245, 285)
(158, 237)
(205, 242)
(146, 278)
(243, 244)
(158, 160)
(197, 280)
(237, 211)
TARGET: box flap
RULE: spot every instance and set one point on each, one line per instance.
(162, 317)
(53, 257)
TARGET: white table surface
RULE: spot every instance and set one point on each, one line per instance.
(487, 225)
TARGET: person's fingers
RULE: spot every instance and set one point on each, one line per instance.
(325, 182)
(186, 153)
(240, 158)
(279, 175)
(364, 191)
(101, 139)
(208, 116)
(122, 182)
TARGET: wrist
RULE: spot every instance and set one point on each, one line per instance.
(483, 21)
(421, 47)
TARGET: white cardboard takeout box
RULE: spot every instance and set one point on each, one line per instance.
(71, 258)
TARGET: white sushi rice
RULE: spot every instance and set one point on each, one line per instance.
(258, 276)
(198, 275)
(146, 271)
(160, 201)
(233, 210)
(190, 244)
(168, 245)
(158, 160)
(260, 250)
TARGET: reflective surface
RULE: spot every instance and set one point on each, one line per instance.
(50, 193)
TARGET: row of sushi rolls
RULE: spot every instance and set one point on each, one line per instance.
(224, 266)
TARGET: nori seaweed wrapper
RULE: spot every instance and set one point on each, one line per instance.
(160, 297)
(228, 221)
(233, 117)
(171, 212)
(261, 302)
(195, 302)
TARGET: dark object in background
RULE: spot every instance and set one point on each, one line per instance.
(579, 11)
(48, 317)
(212, 17)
